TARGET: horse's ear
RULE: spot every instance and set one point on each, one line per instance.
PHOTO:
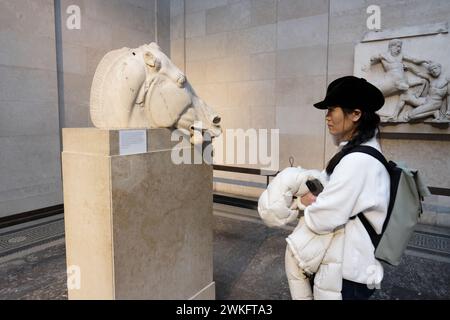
(152, 61)
(154, 45)
(149, 59)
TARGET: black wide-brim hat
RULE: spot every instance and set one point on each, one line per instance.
(352, 93)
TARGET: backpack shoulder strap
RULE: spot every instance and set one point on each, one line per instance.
(371, 151)
(374, 237)
(394, 175)
(376, 154)
(363, 149)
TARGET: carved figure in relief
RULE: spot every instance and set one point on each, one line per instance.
(436, 102)
(396, 81)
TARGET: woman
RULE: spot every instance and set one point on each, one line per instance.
(358, 183)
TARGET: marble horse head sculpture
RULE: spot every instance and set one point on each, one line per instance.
(142, 88)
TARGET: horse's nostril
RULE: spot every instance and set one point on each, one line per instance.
(216, 120)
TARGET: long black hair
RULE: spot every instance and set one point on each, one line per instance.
(366, 129)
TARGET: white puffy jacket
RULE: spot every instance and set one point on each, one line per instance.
(275, 204)
(314, 253)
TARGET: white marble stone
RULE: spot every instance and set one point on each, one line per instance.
(137, 226)
(176, 8)
(36, 85)
(298, 121)
(301, 91)
(29, 171)
(409, 31)
(34, 18)
(142, 88)
(263, 12)
(251, 93)
(230, 17)
(177, 53)
(29, 127)
(252, 40)
(303, 32)
(412, 73)
(262, 66)
(302, 61)
(209, 47)
(198, 5)
(162, 31)
(195, 24)
(29, 51)
(294, 9)
(177, 28)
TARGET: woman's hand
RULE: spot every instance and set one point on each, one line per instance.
(308, 199)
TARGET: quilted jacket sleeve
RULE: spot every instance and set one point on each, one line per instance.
(275, 205)
(341, 197)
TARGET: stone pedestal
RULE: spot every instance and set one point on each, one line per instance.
(137, 226)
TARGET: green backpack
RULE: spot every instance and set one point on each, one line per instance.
(405, 207)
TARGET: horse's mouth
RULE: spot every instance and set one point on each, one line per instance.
(215, 131)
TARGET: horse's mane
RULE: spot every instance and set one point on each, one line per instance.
(98, 89)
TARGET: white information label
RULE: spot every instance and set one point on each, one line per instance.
(132, 141)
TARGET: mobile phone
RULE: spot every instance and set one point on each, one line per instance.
(314, 186)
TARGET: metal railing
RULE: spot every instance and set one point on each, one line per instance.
(237, 201)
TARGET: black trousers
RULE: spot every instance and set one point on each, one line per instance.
(355, 291)
(351, 290)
